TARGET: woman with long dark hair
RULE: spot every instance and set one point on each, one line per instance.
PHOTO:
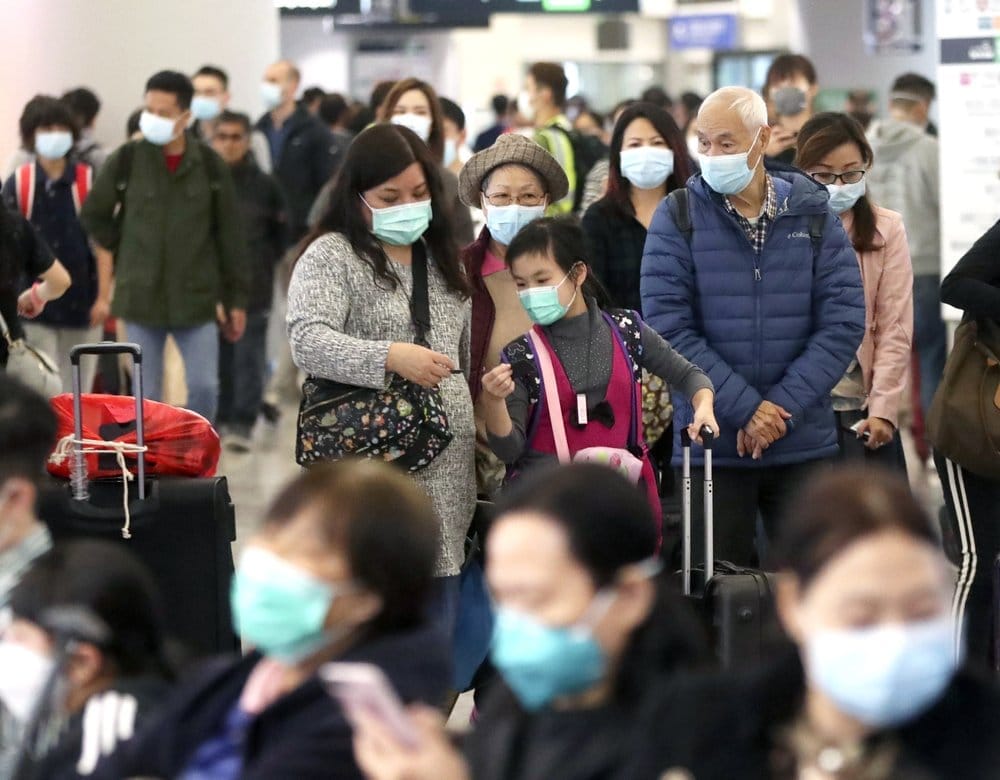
(649, 159)
(832, 148)
(349, 317)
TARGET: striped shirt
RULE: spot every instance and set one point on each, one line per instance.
(757, 229)
(556, 142)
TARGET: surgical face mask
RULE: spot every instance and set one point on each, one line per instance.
(844, 196)
(421, 125)
(505, 222)
(542, 303)
(279, 608)
(156, 129)
(524, 107)
(401, 225)
(450, 151)
(205, 108)
(270, 95)
(729, 174)
(23, 674)
(647, 167)
(541, 663)
(885, 675)
(53, 145)
(789, 101)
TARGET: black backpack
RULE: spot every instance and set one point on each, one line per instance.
(587, 151)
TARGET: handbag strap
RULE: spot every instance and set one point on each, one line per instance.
(551, 392)
(420, 307)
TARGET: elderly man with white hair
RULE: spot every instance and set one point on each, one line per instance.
(751, 277)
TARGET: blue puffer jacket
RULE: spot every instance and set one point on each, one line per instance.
(787, 338)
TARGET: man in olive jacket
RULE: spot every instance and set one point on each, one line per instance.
(166, 208)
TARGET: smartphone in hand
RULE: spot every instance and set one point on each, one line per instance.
(361, 687)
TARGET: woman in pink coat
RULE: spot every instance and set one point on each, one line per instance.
(833, 150)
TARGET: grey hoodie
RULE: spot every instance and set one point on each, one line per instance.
(905, 178)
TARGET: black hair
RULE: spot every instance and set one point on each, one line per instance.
(452, 111)
(235, 118)
(27, 429)
(564, 239)
(379, 93)
(177, 84)
(332, 108)
(840, 507)
(915, 84)
(657, 96)
(384, 524)
(609, 525)
(692, 105)
(362, 118)
(312, 93)
(551, 76)
(500, 105)
(788, 66)
(620, 188)
(375, 156)
(132, 123)
(83, 104)
(106, 581)
(216, 73)
(45, 111)
(818, 137)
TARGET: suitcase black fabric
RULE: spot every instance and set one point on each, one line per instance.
(737, 603)
(182, 530)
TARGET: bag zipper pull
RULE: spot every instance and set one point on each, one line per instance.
(756, 274)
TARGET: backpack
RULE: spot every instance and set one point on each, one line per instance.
(588, 150)
(25, 179)
(679, 204)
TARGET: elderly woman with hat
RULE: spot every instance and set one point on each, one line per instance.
(513, 182)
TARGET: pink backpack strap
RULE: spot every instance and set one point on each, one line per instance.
(24, 185)
(550, 389)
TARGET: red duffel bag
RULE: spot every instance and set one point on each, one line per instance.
(179, 442)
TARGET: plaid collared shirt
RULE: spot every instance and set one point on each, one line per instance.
(757, 233)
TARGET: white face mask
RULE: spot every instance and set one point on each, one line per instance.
(421, 125)
(270, 95)
(157, 129)
(23, 674)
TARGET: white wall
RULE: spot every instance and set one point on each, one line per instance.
(113, 46)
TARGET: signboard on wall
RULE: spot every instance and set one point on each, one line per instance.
(716, 32)
(893, 26)
(969, 96)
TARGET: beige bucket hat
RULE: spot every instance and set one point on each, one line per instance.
(511, 149)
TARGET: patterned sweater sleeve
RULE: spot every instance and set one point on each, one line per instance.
(319, 305)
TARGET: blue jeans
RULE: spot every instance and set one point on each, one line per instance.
(930, 338)
(199, 348)
(241, 374)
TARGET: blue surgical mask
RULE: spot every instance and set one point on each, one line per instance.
(542, 303)
(884, 675)
(844, 196)
(729, 174)
(53, 145)
(647, 167)
(156, 129)
(270, 95)
(205, 108)
(279, 608)
(541, 663)
(505, 222)
(401, 225)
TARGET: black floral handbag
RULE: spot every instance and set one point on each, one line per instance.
(404, 423)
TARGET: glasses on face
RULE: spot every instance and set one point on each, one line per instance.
(847, 177)
(501, 199)
(234, 137)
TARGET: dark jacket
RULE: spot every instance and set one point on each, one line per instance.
(265, 217)
(974, 283)
(308, 158)
(721, 727)
(483, 311)
(786, 338)
(179, 249)
(302, 735)
(616, 241)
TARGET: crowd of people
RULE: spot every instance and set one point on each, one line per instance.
(739, 270)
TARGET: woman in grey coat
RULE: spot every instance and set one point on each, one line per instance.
(349, 315)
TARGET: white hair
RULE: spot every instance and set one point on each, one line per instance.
(747, 104)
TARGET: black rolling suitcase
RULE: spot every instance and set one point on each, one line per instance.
(736, 603)
(180, 527)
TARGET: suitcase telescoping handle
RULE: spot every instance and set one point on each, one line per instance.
(109, 348)
(708, 437)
